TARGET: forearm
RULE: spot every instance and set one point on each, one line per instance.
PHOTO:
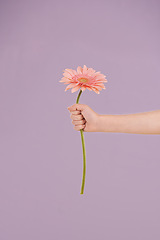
(137, 123)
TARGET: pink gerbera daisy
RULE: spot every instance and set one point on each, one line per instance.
(83, 78)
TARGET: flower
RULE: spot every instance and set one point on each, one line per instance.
(83, 78)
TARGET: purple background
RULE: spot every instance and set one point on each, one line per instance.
(41, 153)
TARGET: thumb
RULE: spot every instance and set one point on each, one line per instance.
(77, 106)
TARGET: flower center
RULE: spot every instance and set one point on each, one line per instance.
(83, 80)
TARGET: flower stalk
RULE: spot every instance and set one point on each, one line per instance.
(84, 151)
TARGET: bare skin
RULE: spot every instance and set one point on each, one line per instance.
(83, 117)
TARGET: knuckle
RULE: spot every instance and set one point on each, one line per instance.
(83, 121)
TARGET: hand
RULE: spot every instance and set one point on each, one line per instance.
(83, 117)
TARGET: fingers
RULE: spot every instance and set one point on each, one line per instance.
(75, 112)
(77, 123)
(77, 106)
(77, 118)
(79, 127)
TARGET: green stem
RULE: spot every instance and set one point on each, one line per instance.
(77, 101)
(84, 152)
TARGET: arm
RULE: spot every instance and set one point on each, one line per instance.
(138, 123)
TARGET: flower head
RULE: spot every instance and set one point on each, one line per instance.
(83, 78)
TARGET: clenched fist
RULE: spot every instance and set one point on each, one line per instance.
(83, 117)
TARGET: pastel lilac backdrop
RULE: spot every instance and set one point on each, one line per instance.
(41, 153)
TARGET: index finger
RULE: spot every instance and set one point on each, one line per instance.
(75, 112)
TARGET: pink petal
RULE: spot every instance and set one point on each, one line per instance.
(95, 90)
(71, 72)
(70, 86)
(75, 89)
(89, 88)
(101, 80)
(99, 76)
(67, 75)
(91, 71)
(79, 70)
(64, 79)
(83, 88)
(99, 85)
(85, 69)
